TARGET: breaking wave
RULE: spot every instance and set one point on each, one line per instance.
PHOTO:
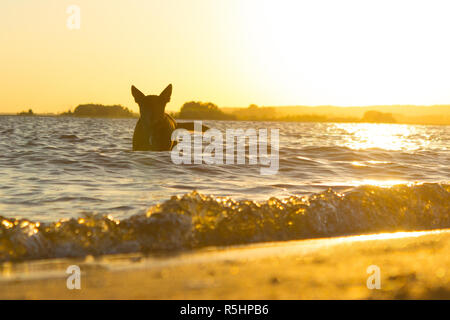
(195, 220)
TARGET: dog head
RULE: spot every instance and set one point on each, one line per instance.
(152, 107)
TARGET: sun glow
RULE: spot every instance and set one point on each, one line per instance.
(233, 53)
(348, 52)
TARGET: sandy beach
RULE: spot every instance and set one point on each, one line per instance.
(413, 265)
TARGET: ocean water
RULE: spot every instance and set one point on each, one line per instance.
(73, 186)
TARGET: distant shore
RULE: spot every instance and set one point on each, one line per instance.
(413, 265)
(257, 120)
(401, 114)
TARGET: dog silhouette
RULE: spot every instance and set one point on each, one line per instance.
(153, 131)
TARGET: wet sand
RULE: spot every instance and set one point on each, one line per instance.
(413, 265)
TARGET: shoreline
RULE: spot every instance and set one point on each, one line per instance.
(235, 120)
(413, 265)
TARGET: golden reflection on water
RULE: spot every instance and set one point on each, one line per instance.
(380, 136)
(367, 163)
(389, 137)
(386, 236)
(379, 183)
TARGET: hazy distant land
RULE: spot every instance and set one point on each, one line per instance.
(100, 111)
(404, 114)
(407, 114)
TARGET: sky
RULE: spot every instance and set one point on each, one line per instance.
(230, 52)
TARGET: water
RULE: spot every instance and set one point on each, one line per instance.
(81, 170)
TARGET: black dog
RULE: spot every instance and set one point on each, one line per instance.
(153, 131)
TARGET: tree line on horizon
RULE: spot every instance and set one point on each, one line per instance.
(100, 110)
(209, 111)
(197, 110)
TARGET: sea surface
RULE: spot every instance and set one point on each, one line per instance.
(73, 186)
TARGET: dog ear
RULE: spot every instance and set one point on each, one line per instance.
(167, 92)
(138, 95)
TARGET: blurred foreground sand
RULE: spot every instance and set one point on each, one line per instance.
(413, 265)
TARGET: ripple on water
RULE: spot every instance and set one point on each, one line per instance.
(85, 159)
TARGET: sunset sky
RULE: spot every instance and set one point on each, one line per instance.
(230, 52)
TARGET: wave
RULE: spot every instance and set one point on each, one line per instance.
(195, 220)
